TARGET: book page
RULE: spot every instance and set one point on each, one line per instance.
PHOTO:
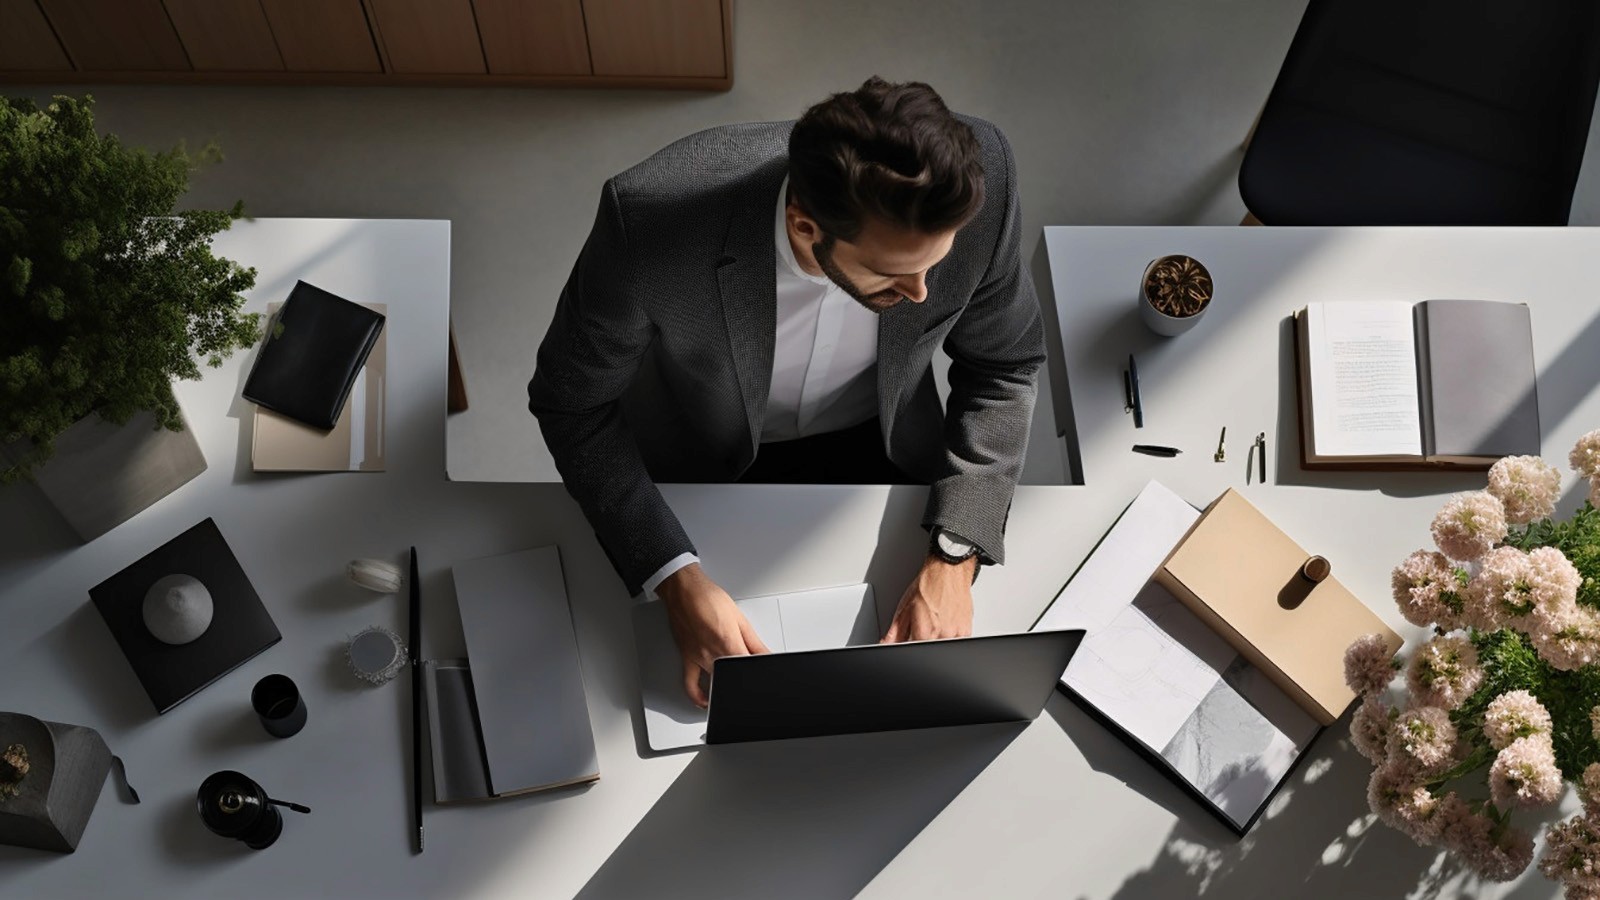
(1363, 379)
(1483, 387)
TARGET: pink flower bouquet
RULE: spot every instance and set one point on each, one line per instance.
(1501, 708)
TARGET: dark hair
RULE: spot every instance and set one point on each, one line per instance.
(888, 151)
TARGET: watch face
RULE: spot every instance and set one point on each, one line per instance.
(953, 547)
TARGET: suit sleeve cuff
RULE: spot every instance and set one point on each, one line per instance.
(665, 572)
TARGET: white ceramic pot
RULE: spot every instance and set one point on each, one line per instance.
(1160, 322)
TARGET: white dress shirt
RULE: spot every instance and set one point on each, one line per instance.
(824, 365)
(825, 356)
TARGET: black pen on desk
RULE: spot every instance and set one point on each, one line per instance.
(1153, 450)
(1133, 388)
(415, 641)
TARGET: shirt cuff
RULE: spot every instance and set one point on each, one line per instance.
(665, 572)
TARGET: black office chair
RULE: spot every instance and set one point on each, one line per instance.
(1427, 112)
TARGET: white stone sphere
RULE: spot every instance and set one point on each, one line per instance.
(177, 609)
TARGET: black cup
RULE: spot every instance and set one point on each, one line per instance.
(233, 806)
(279, 705)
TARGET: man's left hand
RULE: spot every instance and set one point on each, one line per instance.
(938, 604)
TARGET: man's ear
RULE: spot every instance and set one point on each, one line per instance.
(801, 224)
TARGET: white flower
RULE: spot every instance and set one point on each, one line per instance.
(1525, 774)
(1572, 852)
(1444, 672)
(1527, 486)
(1369, 729)
(1425, 737)
(1368, 664)
(1570, 641)
(1513, 715)
(1470, 525)
(1403, 804)
(1472, 837)
(1585, 456)
(1589, 788)
(1427, 592)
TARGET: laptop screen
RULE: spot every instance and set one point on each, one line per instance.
(887, 687)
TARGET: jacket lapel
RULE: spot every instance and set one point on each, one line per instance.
(747, 277)
(899, 328)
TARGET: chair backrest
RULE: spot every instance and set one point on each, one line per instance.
(1507, 85)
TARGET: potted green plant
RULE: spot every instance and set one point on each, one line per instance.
(107, 294)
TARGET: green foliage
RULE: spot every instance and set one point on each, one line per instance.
(1510, 663)
(1577, 538)
(106, 293)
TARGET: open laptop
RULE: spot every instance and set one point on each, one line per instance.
(828, 675)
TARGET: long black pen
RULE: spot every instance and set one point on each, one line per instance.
(1153, 450)
(415, 643)
(1133, 379)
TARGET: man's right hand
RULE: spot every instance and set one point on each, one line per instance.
(706, 624)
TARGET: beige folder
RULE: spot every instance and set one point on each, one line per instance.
(354, 444)
(1241, 574)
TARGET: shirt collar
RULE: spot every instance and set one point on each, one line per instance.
(781, 239)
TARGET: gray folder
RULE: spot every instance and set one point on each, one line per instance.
(515, 718)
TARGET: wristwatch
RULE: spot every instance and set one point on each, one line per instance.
(951, 547)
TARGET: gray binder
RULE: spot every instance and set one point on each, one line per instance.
(512, 718)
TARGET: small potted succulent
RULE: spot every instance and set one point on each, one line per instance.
(107, 294)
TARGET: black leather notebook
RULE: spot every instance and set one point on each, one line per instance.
(313, 350)
(240, 625)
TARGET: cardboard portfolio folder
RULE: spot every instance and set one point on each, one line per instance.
(1242, 575)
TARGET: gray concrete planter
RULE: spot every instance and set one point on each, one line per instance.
(103, 475)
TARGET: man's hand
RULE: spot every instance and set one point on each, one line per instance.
(938, 604)
(706, 624)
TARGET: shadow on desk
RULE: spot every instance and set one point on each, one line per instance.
(1317, 837)
(818, 817)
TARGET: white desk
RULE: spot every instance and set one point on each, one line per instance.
(1060, 810)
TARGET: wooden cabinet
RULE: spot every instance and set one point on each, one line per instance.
(533, 37)
(26, 42)
(225, 35)
(601, 43)
(428, 35)
(117, 35)
(326, 36)
(657, 37)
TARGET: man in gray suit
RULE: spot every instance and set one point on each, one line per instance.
(739, 312)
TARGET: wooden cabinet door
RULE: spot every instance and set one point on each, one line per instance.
(656, 37)
(322, 35)
(26, 42)
(438, 36)
(117, 35)
(225, 35)
(533, 37)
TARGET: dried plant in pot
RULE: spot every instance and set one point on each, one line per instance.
(107, 294)
(1174, 292)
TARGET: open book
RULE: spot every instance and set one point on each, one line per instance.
(1436, 384)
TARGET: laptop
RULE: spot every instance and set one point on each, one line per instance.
(828, 675)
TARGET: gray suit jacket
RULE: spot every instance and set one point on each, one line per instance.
(658, 363)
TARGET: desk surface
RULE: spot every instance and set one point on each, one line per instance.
(1057, 809)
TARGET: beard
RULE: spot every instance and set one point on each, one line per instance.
(822, 251)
